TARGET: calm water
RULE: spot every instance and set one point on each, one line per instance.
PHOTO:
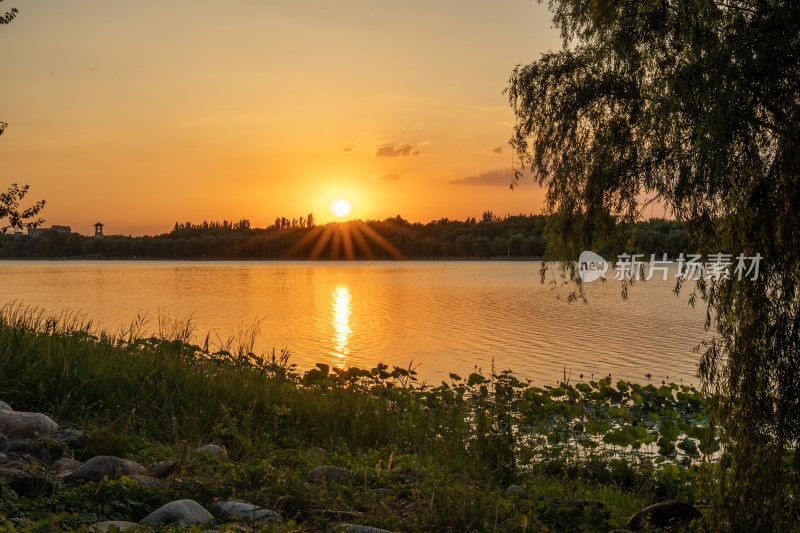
(445, 316)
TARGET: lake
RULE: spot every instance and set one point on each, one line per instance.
(444, 316)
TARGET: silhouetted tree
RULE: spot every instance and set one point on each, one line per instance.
(8, 16)
(517, 235)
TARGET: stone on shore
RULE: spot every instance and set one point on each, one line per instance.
(103, 526)
(247, 511)
(212, 449)
(662, 515)
(163, 468)
(147, 481)
(328, 473)
(357, 528)
(101, 466)
(334, 514)
(65, 466)
(179, 512)
(69, 436)
(4, 406)
(43, 450)
(20, 425)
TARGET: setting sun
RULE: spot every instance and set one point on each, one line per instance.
(341, 207)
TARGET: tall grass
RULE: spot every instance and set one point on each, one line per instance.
(162, 388)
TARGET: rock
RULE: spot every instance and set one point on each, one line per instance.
(516, 490)
(328, 473)
(212, 449)
(4, 406)
(146, 481)
(42, 450)
(356, 528)
(16, 425)
(246, 511)
(65, 466)
(179, 512)
(101, 466)
(70, 437)
(119, 524)
(331, 514)
(663, 514)
(65, 463)
(163, 468)
(458, 476)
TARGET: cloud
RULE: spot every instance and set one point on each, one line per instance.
(392, 176)
(494, 108)
(498, 150)
(348, 149)
(494, 178)
(396, 150)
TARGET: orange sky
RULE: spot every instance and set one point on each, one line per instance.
(141, 114)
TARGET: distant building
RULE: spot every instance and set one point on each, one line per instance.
(33, 232)
(98, 231)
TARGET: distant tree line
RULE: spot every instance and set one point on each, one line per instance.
(517, 236)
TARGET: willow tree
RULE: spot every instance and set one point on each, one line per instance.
(694, 105)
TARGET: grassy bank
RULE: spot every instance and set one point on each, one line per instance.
(447, 453)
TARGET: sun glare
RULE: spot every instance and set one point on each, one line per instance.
(340, 207)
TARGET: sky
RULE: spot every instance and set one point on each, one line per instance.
(141, 114)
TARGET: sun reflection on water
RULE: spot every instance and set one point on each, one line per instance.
(341, 321)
